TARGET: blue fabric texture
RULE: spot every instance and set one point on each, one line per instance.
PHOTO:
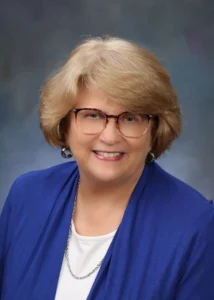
(162, 250)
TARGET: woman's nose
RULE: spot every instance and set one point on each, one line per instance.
(111, 133)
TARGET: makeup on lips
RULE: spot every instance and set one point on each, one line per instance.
(108, 156)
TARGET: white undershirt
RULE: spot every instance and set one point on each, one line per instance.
(84, 255)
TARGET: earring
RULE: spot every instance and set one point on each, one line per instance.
(150, 157)
(66, 152)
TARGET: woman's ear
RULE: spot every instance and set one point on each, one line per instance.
(64, 127)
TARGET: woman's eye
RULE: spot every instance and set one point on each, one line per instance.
(92, 115)
(130, 118)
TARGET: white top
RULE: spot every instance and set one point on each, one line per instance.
(84, 255)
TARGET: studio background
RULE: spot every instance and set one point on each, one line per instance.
(36, 37)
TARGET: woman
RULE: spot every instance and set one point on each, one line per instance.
(111, 224)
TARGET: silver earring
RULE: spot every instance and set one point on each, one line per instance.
(66, 152)
(150, 157)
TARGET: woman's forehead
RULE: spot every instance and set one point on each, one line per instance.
(95, 98)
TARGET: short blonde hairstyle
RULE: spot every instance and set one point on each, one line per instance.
(127, 72)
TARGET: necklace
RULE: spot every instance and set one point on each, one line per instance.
(67, 248)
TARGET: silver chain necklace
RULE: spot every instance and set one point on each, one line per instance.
(67, 249)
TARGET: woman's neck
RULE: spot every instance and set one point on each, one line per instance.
(99, 206)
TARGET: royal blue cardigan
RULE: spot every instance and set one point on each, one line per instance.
(163, 248)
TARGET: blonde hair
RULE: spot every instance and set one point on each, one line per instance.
(127, 72)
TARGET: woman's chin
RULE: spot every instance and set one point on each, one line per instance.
(105, 172)
(107, 175)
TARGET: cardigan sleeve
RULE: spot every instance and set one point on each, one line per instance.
(7, 221)
(198, 280)
(4, 239)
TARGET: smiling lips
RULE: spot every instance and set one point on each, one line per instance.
(109, 156)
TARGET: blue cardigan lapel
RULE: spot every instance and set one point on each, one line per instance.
(111, 281)
(42, 269)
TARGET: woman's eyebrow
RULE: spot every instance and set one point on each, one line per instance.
(105, 112)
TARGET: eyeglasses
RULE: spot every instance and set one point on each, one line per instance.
(93, 121)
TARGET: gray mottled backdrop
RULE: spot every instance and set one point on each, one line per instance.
(36, 36)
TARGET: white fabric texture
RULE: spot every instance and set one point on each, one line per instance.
(84, 255)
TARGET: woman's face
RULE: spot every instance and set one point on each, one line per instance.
(92, 151)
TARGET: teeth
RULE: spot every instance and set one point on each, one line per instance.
(106, 154)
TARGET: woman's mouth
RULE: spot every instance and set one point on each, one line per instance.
(109, 156)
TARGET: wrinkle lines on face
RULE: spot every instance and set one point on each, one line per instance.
(109, 140)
